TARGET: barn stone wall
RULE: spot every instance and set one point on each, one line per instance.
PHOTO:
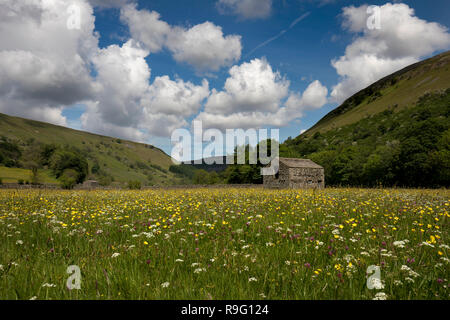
(281, 180)
(306, 178)
(296, 178)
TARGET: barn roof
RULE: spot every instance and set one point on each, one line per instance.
(299, 163)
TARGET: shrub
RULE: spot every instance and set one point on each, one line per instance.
(95, 168)
(20, 181)
(68, 179)
(63, 160)
(105, 180)
(134, 185)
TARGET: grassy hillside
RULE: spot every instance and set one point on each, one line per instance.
(396, 132)
(401, 90)
(14, 175)
(114, 159)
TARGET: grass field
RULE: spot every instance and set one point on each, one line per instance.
(13, 175)
(225, 244)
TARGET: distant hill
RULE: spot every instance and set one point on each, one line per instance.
(109, 158)
(395, 132)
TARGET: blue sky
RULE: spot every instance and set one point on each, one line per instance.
(301, 52)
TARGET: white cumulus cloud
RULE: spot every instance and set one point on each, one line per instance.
(252, 86)
(109, 3)
(129, 106)
(255, 96)
(203, 46)
(146, 27)
(175, 97)
(47, 67)
(44, 64)
(401, 40)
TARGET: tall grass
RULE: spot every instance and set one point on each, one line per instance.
(224, 244)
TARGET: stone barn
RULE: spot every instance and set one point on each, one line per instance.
(296, 173)
(90, 184)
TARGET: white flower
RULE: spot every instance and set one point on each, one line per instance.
(411, 272)
(179, 260)
(389, 254)
(398, 282)
(288, 262)
(1, 267)
(269, 244)
(262, 295)
(20, 242)
(380, 296)
(348, 257)
(252, 279)
(408, 279)
(165, 284)
(399, 244)
(427, 244)
(377, 283)
(198, 270)
(48, 285)
(195, 264)
(115, 255)
(405, 268)
(444, 246)
(364, 253)
(33, 298)
(445, 259)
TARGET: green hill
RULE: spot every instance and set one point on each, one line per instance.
(110, 160)
(401, 89)
(394, 132)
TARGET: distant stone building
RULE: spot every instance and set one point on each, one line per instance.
(296, 173)
(89, 184)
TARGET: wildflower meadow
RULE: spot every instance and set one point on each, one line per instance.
(225, 243)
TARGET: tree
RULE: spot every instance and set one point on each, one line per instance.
(201, 177)
(34, 167)
(62, 160)
(134, 185)
(68, 178)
